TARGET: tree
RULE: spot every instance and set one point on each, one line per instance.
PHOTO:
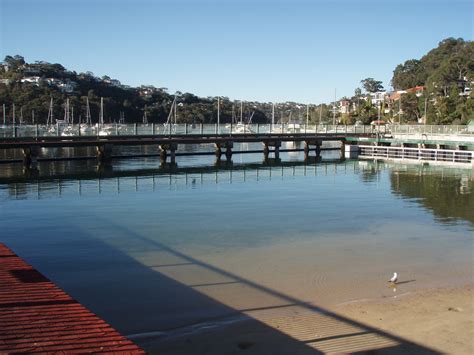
(408, 75)
(411, 107)
(372, 85)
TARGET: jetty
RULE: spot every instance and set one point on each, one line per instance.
(36, 316)
(436, 143)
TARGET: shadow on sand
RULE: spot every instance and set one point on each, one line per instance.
(153, 305)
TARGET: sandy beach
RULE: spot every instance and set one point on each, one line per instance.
(427, 321)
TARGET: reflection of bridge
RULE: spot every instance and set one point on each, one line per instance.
(105, 179)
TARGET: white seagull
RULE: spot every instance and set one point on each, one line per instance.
(394, 278)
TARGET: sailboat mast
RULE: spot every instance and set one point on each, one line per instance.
(334, 109)
(14, 120)
(218, 112)
(307, 114)
(273, 113)
(88, 112)
(175, 110)
(320, 112)
(4, 116)
(50, 113)
(241, 111)
(101, 116)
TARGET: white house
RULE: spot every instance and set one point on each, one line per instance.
(31, 79)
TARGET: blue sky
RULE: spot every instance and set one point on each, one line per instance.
(252, 50)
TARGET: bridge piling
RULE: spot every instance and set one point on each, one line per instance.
(276, 148)
(228, 151)
(30, 157)
(343, 150)
(104, 153)
(218, 151)
(164, 148)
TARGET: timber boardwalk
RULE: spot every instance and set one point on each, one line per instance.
(36, 316)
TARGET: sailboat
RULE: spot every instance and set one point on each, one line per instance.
(69, 129)
(103, 130)
(86, 127)
(242, 127)
(168, 125)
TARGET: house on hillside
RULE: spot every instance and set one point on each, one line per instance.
(344, 106)
(378, 97)
(35, 80)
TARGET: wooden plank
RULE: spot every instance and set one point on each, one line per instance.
(36, 316)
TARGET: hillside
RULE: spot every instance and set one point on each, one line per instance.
(30, 86)
(444, 75)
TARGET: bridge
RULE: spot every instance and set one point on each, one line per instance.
(31, 138)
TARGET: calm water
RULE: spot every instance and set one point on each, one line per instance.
(152, 250)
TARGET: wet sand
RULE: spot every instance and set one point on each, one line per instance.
(427, 321)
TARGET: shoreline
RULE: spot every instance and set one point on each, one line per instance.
(433, 320)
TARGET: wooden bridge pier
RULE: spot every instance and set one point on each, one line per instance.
(104, 153)
(30, 157)
(317, 147)
(164, 148)
(228, 145)
(276, 148)
(343, 150)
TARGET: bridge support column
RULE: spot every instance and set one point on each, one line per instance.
(218, 150)
(276, 149)
(30, 157)
(266, 150)
(318, 148)
(104, 153)
(164, 148)
(343, 150)
(307, 147)
(228, 150)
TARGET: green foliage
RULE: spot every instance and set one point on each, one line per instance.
(445, 72)
(440, 69)
(118, 99)
(371, 85)
(410, 106)
(408, 75)
(366, 112)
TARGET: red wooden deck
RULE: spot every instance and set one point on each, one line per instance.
(37, 316)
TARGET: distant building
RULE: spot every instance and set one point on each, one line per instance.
(31, 80)
(67, 86)
(417, 90)
(378, 97)
(344, 106)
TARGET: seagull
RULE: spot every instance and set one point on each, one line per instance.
(394, 278)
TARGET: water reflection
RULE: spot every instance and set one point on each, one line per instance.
(448, 194)
(91, 179)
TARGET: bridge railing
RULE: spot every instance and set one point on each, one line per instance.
(115, 129)
(431, 129)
